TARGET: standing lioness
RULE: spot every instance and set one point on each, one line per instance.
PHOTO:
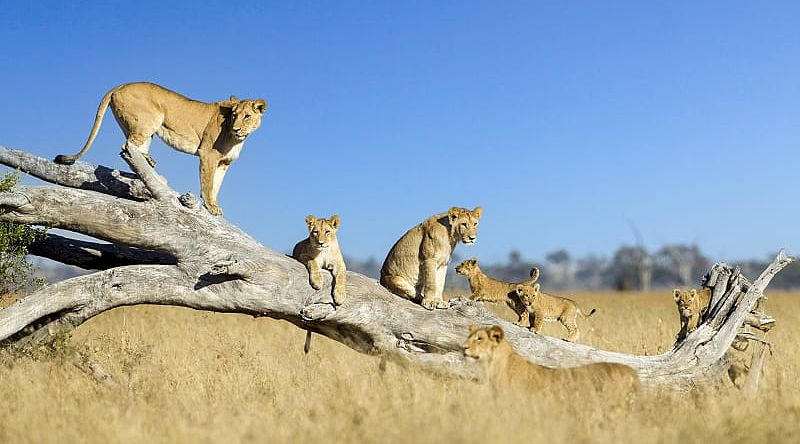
(213, 131)
(417, 263)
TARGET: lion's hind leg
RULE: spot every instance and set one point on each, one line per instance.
(571, 323)
(399, 286)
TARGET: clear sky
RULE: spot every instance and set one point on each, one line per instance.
(566, 121)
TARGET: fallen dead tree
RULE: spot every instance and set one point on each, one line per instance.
(165, 248)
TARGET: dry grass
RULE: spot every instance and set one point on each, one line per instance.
(202, 377)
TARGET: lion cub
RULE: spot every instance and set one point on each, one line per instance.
(503, 367)
(692, 307)
(320, 250)
(487, 289)
(547, 307)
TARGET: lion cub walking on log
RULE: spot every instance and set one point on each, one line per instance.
(215, 131)
(504, 368)
(692, 307)
(320, 250)
(547, 307)
(416, 265)
(486, 289)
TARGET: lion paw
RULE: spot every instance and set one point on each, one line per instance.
(339, 296)
(214, 210)
(315, 280)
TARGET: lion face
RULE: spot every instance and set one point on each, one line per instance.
(246, 116)
(321, 232)
(464, 224)
(527, 293)
(468, 267)
(482, 342)
(687, 300)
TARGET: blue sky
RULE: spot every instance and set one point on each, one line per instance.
(566, 121)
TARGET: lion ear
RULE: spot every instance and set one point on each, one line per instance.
(496, 333)
(335, 221)
(693, 292)
(234, 99)
(536, 288)
(520, 288)
(478, 211)
(453, 213)
(261, 106)
(676, 293)
(473, 328)
(310, 221)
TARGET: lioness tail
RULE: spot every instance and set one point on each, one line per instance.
(101, 111)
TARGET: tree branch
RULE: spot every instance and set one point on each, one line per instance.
(220, 268)
(157, 185)
(93, 255)
(80, 175)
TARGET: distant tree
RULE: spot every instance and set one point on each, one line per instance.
(558, 257)
(632, 269)
(681, 264)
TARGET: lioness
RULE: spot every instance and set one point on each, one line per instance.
(213, 131)
(487, 289)
(503, 367)
(320, 250)
(547, 307)
(692, 306)
(417, 263)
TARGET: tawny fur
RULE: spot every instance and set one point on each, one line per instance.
(692, 306)
(503, 368)
(215, 131)
(486, 289)
(547, 307)
(416, 266)
(320, 251)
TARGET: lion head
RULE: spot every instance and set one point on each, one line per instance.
(482, 342)
(321, 232)
(464, 224)
(527, 293)
(687, 300)
(245, 116)
(467, 267)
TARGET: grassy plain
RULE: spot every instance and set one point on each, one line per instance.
(190, 376)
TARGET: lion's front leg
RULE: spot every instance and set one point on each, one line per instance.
(432, 288)
(339, 293)
(315, 278)
(209, 165)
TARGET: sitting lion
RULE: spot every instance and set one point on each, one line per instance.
(213, 131)
(503, 367)
(417, 263)
(547, 307)
(692, 307)
(320, 251)
(487, 289)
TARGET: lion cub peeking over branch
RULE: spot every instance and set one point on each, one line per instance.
(417, 263)
(486, 289)
(320, 250)
(547, 307)
(504, 368)
(692, 307)
(215, 131)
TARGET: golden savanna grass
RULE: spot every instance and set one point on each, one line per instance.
(190, 376)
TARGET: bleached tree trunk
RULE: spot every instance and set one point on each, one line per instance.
(165, 248)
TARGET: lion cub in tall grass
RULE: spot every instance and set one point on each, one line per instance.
(504, 368)
(547, 307)
(486, 289)
(692, 307)
(320, 250)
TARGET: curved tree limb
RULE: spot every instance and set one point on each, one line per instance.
(80, 175)
(94, 255)
(218, 267)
